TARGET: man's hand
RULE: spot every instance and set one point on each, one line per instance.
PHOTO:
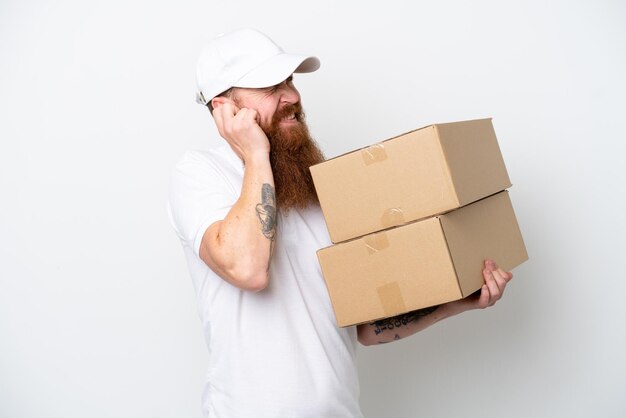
(241, 129)
(496, 280)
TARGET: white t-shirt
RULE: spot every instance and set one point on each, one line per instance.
(274, 353)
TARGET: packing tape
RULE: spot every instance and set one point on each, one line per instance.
(376, 242)
(373, 154)
(392, 217)
(391, 299)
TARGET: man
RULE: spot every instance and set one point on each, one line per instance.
(249, 221)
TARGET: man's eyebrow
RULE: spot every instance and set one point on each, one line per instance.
(275, 86)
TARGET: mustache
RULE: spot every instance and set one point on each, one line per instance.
(288, 110)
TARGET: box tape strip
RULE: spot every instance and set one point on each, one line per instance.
(376, 242)
(392, 217)
(391, 299)
(373, 154)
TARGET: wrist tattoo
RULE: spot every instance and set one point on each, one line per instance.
(401, 320)
(266, 211)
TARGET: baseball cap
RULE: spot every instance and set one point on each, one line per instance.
(245, 58)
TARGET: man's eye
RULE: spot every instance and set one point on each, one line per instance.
(272, 89)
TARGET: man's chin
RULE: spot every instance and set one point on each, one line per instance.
(288, 128)
(290, 136)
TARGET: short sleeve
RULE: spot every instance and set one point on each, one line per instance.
(201, 193)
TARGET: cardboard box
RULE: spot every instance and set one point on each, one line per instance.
(416, 175)
(424, 263)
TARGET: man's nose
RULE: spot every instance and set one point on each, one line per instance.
(289, 93)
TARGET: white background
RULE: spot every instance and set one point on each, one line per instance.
(97, 312)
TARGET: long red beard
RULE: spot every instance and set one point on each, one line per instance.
(292, 152)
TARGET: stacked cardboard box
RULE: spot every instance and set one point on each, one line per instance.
(412, 219)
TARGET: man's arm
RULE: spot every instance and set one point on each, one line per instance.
(238, 248)
(398, 327)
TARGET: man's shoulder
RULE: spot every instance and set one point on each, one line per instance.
(206, 156)
(217, 158)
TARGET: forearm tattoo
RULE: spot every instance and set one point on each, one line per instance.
(266, 211)
(396, 338)
(401, 320)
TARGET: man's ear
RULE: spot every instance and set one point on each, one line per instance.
(217, 102)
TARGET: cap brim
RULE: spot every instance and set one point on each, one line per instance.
(277, 69)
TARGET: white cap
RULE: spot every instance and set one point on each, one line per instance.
(245, 58)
